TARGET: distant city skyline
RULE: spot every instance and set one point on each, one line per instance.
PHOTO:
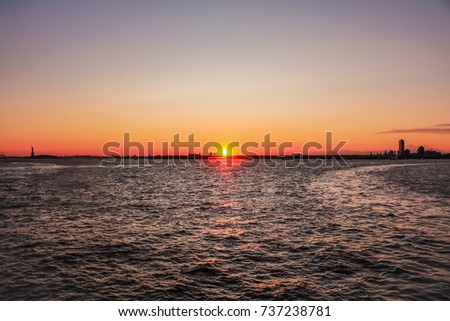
(295, 150)
(132, 151)
(77, 74)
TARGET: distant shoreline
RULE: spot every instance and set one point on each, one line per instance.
(349, 156)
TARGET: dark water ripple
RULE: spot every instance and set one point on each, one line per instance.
(76, 231)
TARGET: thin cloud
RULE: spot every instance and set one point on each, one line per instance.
(442, 125)
(419, 130)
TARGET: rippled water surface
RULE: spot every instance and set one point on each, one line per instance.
(71, 230)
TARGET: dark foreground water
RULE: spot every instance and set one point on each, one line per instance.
(70, 230)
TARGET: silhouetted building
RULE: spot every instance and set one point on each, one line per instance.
(432, 153)
(407, 153)
(421, 152)
(32, 151)
(401, 148)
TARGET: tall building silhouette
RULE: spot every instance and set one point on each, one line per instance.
(401, 148)
(32, 151)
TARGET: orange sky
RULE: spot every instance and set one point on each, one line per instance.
(75, 76)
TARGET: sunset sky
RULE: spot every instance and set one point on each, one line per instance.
(75, 74)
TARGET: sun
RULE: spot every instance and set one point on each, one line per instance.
(224, 152)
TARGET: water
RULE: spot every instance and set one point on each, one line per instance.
(70, 230)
